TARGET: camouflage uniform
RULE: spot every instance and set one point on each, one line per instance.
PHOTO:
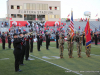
(88, 51)
(70, 45)
(61, 45)
(79, 44)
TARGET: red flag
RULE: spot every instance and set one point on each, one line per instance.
(87, 34)
(68, 15)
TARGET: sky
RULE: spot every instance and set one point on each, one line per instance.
(78, 6)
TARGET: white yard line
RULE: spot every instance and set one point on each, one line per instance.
(56, 65)
(4, 59)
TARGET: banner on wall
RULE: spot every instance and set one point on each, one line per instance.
(18, 23)
(52, 23)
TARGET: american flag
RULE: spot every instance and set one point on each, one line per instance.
(72, 24)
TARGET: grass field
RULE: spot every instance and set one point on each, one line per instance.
(47, 62)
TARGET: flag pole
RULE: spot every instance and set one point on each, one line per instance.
(71, 17)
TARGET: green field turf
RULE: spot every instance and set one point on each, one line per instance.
(47, 62)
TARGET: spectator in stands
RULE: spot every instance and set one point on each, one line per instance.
(81, 19)
(33, 24)
(95, 29)
(86, 19)
(7, 23)
(98, 19)
(99, 27)
(0, 33)
(54, 25)
(26, 24)
(2, 24)
(79, 27)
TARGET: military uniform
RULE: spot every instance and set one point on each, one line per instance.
(88, 50)
(70, 45)
(79, 44)
(61, 45)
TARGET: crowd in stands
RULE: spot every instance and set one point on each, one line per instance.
(83, 19)
(4, 24)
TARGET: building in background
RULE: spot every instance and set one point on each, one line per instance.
(32, 10)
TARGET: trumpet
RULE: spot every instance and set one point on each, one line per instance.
(31, 33)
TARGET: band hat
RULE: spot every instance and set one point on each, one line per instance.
(15, 34)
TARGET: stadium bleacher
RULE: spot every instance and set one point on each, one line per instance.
(93, 25)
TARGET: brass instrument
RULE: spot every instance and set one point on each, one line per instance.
(30, 33)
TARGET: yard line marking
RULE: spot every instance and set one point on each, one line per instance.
(56, 65)
(4, 59)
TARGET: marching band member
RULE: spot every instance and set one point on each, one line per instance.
(27, 46)
(38, 42)
(57, 38)
(47, 40)
(9, 41)
(31, 42)
(17, 51)
(41, 39)
(23, 49)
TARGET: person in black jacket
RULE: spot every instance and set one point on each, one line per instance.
(9, 41)
(3, 40)
(41, 39)
(27, 47)
(31, 43)
(83, 39)
(49, 35)
(95, 36)
(17, 51)
(38, 42)
(47, 41)
(57, 38)
(99, 36)
(23, 49)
